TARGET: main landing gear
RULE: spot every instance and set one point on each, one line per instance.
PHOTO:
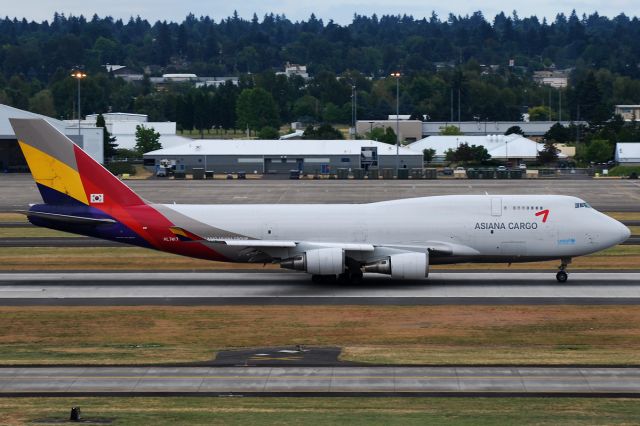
(562, 275)
(349, 276)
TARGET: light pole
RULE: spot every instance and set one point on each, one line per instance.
(397, 76)
(78, 74)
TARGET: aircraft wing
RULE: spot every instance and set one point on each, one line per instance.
(438, 248)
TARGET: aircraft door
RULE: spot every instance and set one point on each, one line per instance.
(496, 206)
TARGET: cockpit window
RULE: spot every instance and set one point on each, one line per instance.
(582, 205)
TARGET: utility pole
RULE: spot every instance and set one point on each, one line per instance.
(78, 73)
(397, 76)
(451, 120)
(459, 124)
(560, 106)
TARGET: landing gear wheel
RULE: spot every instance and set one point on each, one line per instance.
(350, 277)
(562, 277)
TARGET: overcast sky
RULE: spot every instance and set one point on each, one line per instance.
(340, 11)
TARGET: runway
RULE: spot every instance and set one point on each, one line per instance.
(290, 288)
(320, 381)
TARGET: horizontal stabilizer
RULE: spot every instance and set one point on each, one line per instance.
(65, 218)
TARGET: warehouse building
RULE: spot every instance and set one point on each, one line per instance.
(282, 156)
(512, 148)
(11, 158)
(628, 153)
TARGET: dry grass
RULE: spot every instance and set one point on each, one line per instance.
(326, 411)
(12, 217)
(33, 233)
(624, 215)
(380, 334)
(100, 258)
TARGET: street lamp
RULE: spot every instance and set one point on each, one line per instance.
(397, 76)
(78, 73)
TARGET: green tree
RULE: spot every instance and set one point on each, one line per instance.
(306, 107)
(466, 154)
(323, 132)
(256, 109)
(540, 113)
(558, 133)
(450, 130)
(599, 151)
(385, 135)
(514, 130)
(268, 133)
(549, 152)
(109, 147)
(42, 103)
(428, 154)
(147, 140)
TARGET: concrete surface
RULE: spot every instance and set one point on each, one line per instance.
(217, 288)
(320, 380)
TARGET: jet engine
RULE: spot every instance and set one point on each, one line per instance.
(402, 266)
(324, 261)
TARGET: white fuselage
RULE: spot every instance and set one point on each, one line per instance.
(475, 227)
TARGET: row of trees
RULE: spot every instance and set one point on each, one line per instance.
(374, 45)
(267, 99)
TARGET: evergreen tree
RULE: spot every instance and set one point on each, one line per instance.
(147, 140)
(109, 145)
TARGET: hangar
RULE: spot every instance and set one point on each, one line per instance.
(504, 148)
(628, 153)
(11, 158)
(282, 156)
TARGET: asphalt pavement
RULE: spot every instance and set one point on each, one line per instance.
(292, 288)
(320, 381)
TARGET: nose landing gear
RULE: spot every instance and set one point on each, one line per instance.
(562, 275)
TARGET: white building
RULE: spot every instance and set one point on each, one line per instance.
(505, 148)
(123, 125)
(294, 69)
(216, 81)
(628, 112)
(11, 158)
(282, 156)
(628, 153)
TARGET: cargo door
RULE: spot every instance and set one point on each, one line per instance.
(496, 206)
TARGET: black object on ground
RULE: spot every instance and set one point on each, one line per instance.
(285, 355)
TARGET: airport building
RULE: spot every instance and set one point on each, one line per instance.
(628, 153)
(628, 112)
(413, 130)
(88, 138)
(123, 125)
(282, 156)
(512, 148)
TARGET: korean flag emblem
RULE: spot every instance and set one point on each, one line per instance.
(97, 198)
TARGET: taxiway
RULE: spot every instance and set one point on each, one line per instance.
(328, 381)
(282, 288)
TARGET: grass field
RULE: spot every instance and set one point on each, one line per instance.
(554, 335)
(326, 411)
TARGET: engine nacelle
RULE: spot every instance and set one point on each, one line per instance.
(325, 261)
(402, 266)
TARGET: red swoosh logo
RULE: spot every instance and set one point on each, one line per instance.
(544, 214)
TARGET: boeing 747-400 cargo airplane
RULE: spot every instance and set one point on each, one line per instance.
(400, 238)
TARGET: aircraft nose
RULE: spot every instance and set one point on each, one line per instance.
(621, 232)
(625, 233)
